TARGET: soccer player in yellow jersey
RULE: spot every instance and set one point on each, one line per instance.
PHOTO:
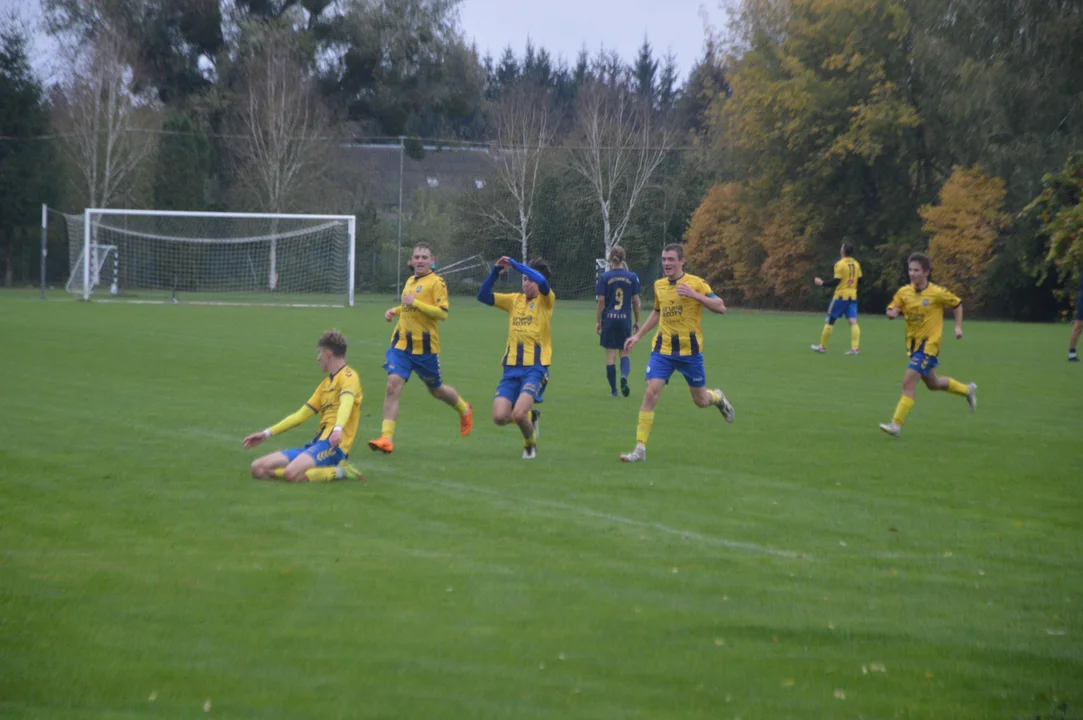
(337, 401)
(415, 347)
(922, 304)
(679, 299)
(529, 350)
(844, 302)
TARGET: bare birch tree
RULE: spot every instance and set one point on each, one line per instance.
(107, 130)
(622, 144)
(524, 131)
(281, 132)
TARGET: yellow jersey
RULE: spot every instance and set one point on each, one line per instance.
(417, 333)
(924, 313)
(848, 271)
(679, 331)
(342, 387)
(529, 338)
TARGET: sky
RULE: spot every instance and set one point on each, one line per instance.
(563, 27)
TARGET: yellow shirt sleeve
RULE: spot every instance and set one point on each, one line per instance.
(433, 311)
(549, 300)
(838, 270)
(897, 301)
(703, 287)
(948, 299)
(292, 421)
(504, 301)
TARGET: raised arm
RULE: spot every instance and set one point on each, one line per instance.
(485, 292)
(532, 274)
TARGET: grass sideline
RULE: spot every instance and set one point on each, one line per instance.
(798, 563)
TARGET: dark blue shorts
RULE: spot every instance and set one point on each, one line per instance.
(531, 379)
(320, 451)
(662, 367)
(839, 308)
(614, 333)
(401, 363)
(922, 363)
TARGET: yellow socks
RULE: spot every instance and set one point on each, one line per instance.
(324, 474)
(855, 337)
(902, 410)
(825, 336)
(460, 407)
(716, 398)
(643, 430)
(388, 429)
(957, 388)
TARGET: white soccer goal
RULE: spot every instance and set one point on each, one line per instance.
(219, 258)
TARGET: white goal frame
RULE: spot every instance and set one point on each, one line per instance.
(90, 213)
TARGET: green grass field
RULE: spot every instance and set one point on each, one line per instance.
(797, 564)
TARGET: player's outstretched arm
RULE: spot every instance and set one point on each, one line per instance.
(652, 320)
(958, 312)
(892, 312)
(286, 423)
(392, 312)
(485, 292)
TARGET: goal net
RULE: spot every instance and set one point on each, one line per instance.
(225, 258)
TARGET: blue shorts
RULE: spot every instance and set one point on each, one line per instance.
(922, 363)
(320, 451)
(840, 307)
(398, 362)
(517, 380)
(662, 367)
(614, 333)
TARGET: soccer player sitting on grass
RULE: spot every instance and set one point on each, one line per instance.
(529, 350)
(415, 347)
(844, 302)
(922, 304)
(337, 401)
(617, 291)
(679, 299)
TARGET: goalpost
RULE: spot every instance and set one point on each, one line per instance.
(213, 257)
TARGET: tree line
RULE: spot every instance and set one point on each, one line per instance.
(948, 127)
